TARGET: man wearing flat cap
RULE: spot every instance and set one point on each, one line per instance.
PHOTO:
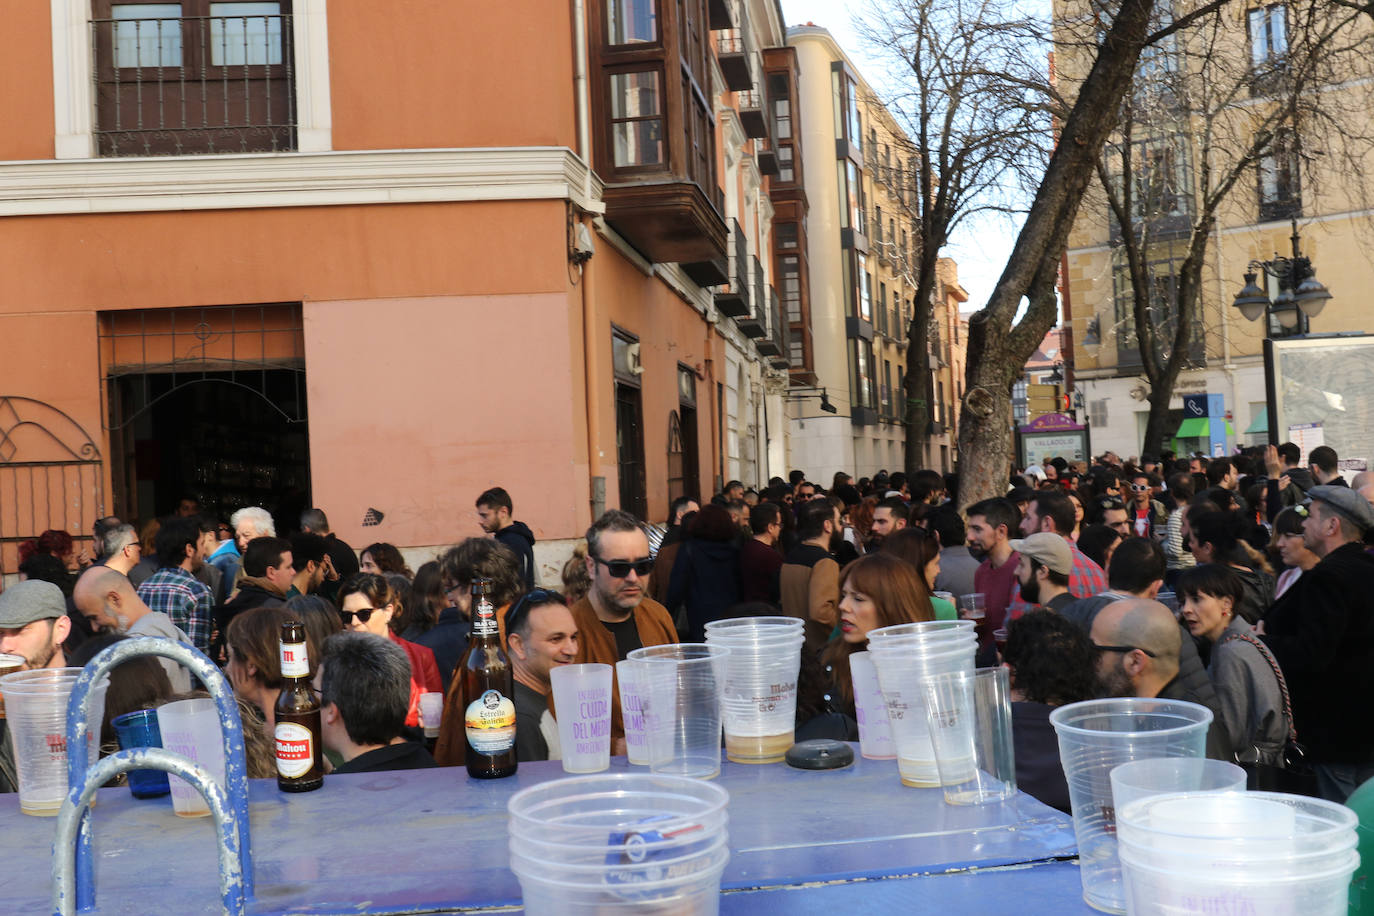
(33, 626)
(1321, 631)
(1043, 570)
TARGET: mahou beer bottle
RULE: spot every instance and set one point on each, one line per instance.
(488, 687)
(300, 762)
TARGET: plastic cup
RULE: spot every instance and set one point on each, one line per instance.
(582, 700)
(431, 712)
(191, 728)
(969, 715)
(1141, 778)
(875, 733)
(139, 729)
(683, 684)
(759, 694)
(924, 631)
(973, 606)
(619, 843)
(901, 674)
(8, 665)
(1096, 736)
(36, 707)
(1236, 852)
(632, 686)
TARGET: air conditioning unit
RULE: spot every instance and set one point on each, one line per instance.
(632, 361)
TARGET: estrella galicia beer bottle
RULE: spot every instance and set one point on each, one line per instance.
(300, 761)
(488, 688)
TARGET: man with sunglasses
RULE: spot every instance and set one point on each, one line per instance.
(540, 635)
(617, 616)
(1138, 643)
(1147, 515)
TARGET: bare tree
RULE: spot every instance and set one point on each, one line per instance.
(971, 101)
(1207, 115)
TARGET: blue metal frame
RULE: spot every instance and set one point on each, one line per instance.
(236, 882)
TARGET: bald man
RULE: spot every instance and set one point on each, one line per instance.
(1138, 643)
(107, 599)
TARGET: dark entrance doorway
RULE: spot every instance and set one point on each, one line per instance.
(208, 403)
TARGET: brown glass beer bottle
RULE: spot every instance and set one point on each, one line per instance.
(300, 760)
(488, 691)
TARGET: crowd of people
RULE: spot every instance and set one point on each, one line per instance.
(1240, 583)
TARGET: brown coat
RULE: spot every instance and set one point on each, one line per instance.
(809, 586)
(596, 644)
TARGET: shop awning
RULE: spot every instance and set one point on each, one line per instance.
(1260, 424)
(1202, 428)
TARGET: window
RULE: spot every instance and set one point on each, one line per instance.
(631, 21)
(851, 195)
(1162, 263)
(845, 107)
(193, 77)
(882, 308)
(785, 170)
(858, 299)
(878, 225)
(791, 288)
(636, 119)
(862, 384)
(796, 347)
(1280, 183)
(1268, 26)
(887, 388)
(785, 234)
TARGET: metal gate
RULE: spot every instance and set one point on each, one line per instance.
(51, 476)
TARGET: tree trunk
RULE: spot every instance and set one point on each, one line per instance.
(918, 394)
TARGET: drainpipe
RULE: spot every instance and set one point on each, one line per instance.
(590, 338)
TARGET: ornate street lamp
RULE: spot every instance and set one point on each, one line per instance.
(1301, 295)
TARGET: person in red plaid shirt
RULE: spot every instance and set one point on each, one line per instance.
(173, 589)
(1050, 510)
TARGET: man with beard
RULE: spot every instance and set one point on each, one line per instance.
(889, 516)
(990, 524)
(1043, 570)
(33, 625)
(107, 599)
(173, 589)
(1138, 644)
(809, 580)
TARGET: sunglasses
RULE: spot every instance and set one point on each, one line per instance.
(363, 615)
(530, 600)
(1140, 487)
(1123, 649)
(619, 569)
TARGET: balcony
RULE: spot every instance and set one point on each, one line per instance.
(668, 221)
(734, 300)
(719, 14)
(733, 52)
(774, 346)
(753, 323)
(753, 112)
(767, 159)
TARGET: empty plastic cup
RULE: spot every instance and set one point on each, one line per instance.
(875, 733)
(1096, 736)
(1236, 852)
(630, 684)
(191, 728)
(36, 708)
(582, 704)
(682, 706)
(1141, 778)
(139, 729)
(431, 713)
(759, 695)
(619, 843)
(969, 715)
(973, 606)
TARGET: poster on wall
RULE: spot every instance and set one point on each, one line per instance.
(1306, 436)
(1323, 391)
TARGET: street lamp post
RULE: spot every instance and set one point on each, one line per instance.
(1301, 297)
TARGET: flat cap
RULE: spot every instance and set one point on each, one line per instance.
(1048, 549)
(33, 599)
(1349, 503)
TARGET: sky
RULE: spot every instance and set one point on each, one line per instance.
(981, 251)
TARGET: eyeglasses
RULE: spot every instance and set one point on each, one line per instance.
(619, 569)
(1124, 649)
(363, 615)
(531, 599)
(1140, 487)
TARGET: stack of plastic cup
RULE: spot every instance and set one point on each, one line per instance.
(758, 701)
(619, 843)
(906, 655)
(1096, 736)
(680, 689)
(1259, 853)
(36, 707)
(875, 732)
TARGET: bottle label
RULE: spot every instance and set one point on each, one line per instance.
(295, 749)
(484, 621)
(490, 724)
(295, 661)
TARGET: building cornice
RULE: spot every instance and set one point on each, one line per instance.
(139, 184)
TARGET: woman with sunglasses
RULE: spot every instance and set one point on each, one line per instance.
(367, 604)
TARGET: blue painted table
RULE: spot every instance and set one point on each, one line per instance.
(435, 842)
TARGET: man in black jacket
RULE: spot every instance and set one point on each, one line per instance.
(1322, 635)
(494, 510)
(364, 684)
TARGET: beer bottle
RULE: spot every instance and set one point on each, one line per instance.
(488, 690)
(300, 762)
